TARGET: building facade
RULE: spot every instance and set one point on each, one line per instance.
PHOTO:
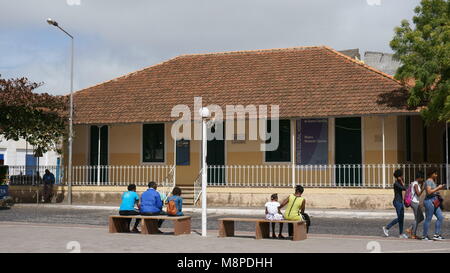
(342, 125)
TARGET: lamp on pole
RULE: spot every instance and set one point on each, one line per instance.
(69, 174)
(205, 115)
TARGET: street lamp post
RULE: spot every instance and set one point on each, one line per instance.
(205, 114)
(69, 174)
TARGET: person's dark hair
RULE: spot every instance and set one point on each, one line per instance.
(176, 191)
(274, 196)
(431, 171)
(132, 187)
(299, 189)
(398, 173)
(47, 171)
(152, 184)
(419, 174)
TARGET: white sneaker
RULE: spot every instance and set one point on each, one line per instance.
(437, 238)
(403, 236)
(386, 231)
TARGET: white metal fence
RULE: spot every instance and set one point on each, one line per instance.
(332, 176)
(95, 175)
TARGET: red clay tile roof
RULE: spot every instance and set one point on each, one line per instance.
(304, 82)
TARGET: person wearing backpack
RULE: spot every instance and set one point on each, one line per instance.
(175, 203)
(399, 188)
(412, 199)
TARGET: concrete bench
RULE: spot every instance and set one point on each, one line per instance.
(226, 227)
(149, 224)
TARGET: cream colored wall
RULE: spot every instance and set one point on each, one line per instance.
(125, 144)
(80, 148)
(373, 144)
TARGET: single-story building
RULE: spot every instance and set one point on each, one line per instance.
(343, 129)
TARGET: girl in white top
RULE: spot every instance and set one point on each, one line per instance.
(273, 213)
(416, 191)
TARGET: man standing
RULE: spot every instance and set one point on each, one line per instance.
(151, 203)
(49, 180)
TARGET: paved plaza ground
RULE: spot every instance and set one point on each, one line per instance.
(37, 228)
(26, 237)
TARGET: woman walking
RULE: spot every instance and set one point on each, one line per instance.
(399, 188)
(416, 191)
(432, 205)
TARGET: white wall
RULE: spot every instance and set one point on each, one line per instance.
(14, 153)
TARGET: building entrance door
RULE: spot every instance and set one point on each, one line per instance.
(215, 158)
(348, 155)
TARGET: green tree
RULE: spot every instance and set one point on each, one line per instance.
(424, 51)
(40, 119)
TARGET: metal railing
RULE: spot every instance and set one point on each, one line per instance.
(318, 176)
(32, 175)
(198, 187)
(95, 175)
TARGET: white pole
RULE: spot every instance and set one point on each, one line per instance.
(384, 152)
(99, 151)
(175, 160)
(69, 175)
(204, 166)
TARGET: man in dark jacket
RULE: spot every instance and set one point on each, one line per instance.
(49, 180)
(151, 203)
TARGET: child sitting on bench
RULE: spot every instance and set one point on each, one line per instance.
(273, 213)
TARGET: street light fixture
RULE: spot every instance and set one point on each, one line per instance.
(204, 114)
(69, 175)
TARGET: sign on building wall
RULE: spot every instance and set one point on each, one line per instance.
(183, 151)
(312, 141)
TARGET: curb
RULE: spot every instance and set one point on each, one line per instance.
(319, 213)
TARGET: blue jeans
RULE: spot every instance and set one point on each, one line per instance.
(430, 210)
(400, 216)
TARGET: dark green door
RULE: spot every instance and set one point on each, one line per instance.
(348, 156)
(215, 159)
(97, 133)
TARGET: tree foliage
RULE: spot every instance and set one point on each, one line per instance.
(40, 119)
(424, 51)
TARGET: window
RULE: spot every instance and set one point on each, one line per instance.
(2, 159)
(153, 143)
(283, 152)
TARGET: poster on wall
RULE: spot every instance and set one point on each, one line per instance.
(183, 151)
(312, 142)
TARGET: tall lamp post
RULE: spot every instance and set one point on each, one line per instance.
(69, 175)
(205, 115)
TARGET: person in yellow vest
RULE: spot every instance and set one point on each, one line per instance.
(295, 206)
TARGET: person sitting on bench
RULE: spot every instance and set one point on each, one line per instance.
(151, 203)
(129, 199)
(295, 207)
(273, 213)
(175, 203)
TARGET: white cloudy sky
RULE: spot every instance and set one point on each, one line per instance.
(114, 37)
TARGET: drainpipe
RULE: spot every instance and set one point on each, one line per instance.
(384, 151)
(99, 155)
(293, 133)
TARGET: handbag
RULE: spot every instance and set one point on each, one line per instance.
(437, 201)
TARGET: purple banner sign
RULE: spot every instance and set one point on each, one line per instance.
(312, 141)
